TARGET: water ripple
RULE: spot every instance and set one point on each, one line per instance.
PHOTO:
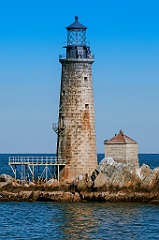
(78, 221)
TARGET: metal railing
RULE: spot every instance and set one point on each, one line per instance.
(35, 160)
(89, 57)
(65, 43)
(27, 166)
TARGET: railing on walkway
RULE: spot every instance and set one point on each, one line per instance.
(35, 160)
(25, 166)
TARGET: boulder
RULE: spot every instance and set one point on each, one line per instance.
(2, 184)
(115, 176)
(101, 180)
(5, 178)
(105, 162)
(80, 185)
(20, 182)
(125, 177)
(149, 178)
(31, 184)
(145, 171)
(50, 182)
(89, 183)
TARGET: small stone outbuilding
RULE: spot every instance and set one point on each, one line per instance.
(122, 149)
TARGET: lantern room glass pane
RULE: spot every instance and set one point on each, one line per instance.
(76, 37)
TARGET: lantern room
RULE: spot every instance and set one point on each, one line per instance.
(76, 34)
(77, 47)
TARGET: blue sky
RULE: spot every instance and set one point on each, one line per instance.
(124, 37)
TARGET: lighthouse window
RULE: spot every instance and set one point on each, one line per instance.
(86, 106)
(85, 79)
(80, 52)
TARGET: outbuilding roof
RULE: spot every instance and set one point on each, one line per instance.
(120, 138)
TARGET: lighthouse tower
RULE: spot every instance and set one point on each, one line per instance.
(76, 126)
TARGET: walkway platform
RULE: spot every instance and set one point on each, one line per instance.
(27, 166)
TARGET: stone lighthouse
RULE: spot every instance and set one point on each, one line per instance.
(76, 142)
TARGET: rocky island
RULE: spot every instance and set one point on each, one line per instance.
(110, 182)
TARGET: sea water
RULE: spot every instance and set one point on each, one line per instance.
(50, 220)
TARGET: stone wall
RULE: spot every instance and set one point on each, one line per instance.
(77, 138)
(132, 154)
(123, 152)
